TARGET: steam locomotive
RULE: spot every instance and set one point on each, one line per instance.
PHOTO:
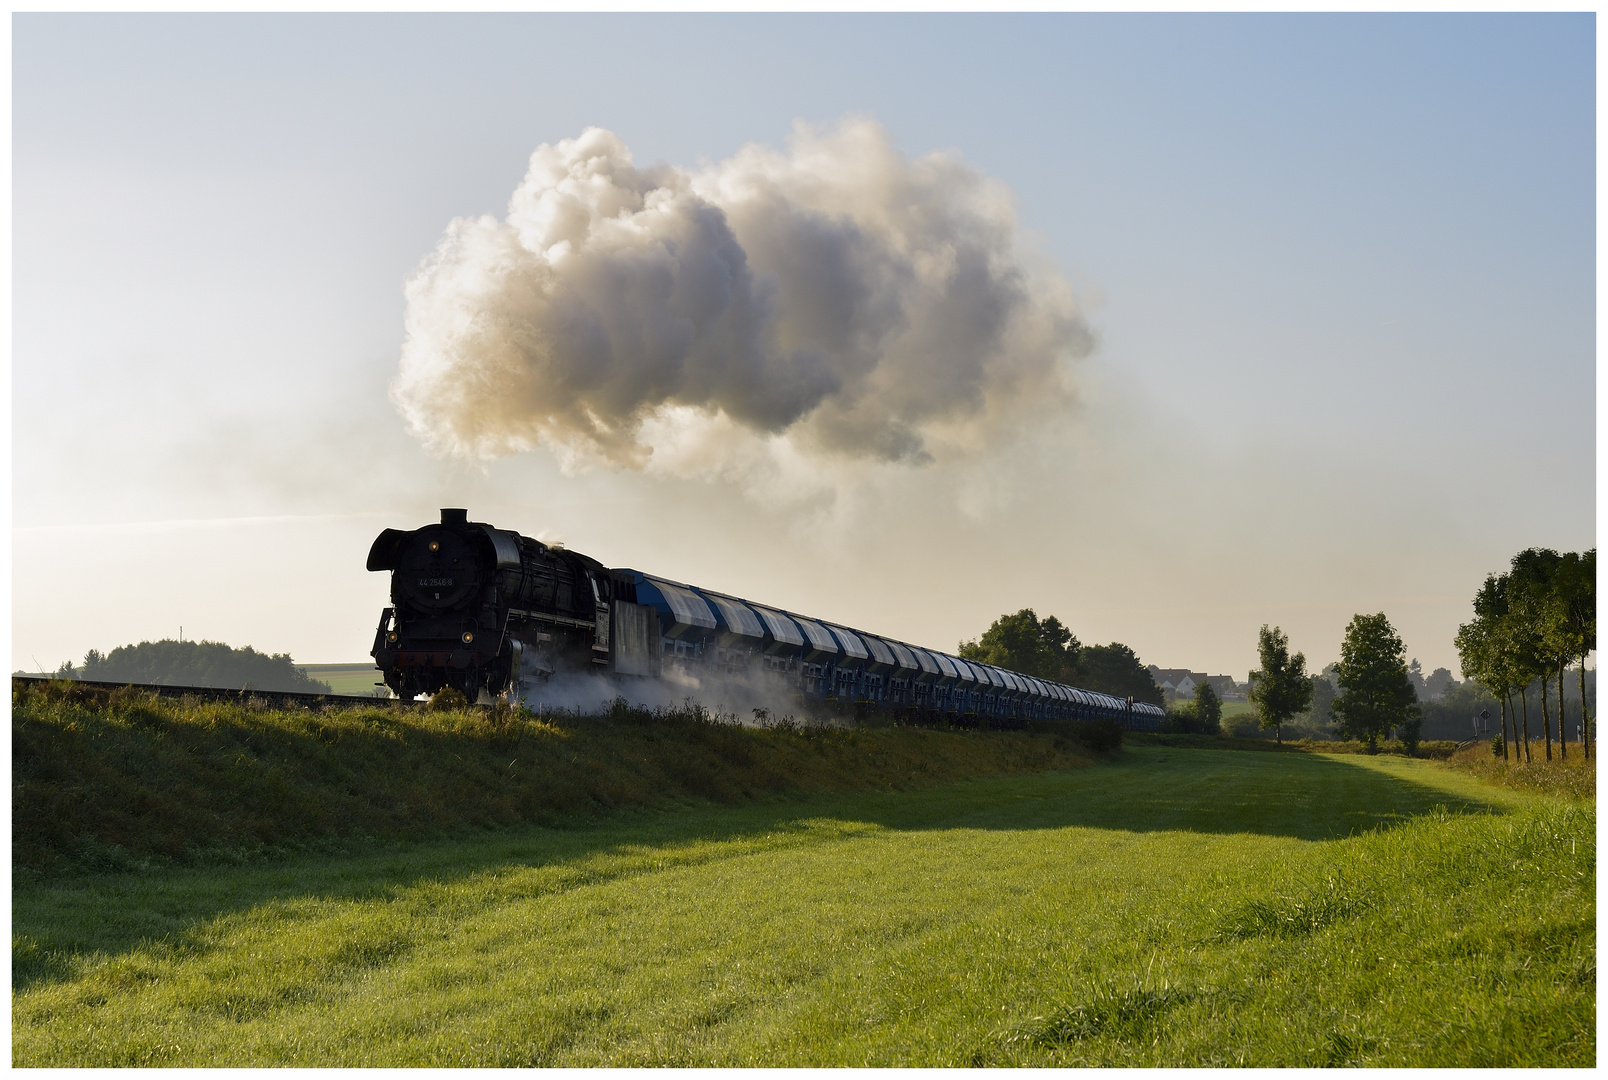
(483, 609)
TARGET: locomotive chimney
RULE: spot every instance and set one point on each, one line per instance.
(454, 517)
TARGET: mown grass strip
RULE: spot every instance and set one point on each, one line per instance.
(1088, 917)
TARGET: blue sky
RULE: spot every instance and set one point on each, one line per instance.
(1341, 270)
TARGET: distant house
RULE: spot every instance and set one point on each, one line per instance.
(1182, 683)
(1179, 681)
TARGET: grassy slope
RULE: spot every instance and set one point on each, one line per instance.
(1181, 906)
(126, 781)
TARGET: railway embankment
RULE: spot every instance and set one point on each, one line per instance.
(112, 780)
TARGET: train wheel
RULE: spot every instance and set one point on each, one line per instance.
(401, 686)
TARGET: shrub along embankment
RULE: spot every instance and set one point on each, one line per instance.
(123, 780)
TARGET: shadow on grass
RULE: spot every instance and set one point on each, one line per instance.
(1299, 796)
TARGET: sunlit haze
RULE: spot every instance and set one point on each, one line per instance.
(1170, 326)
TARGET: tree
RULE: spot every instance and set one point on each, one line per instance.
(1495, 654)
(1576, 627)
(1530, 624)
(1479, 648)
(199, 663)
(1375, 692)
(1280, 689)
(1531, 596)
(1021, 642)
(1557, 644)
(1114, 669)
(1570, 629)
(1046, 649)
(1208, 709)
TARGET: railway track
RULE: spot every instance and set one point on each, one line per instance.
(279, 698)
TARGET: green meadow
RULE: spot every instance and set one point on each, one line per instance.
(357, 680)
(1166, 905)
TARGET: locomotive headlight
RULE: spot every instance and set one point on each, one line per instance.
(468, 637)
(391, 636)
(435, 545)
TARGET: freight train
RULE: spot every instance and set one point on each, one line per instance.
(482, 609)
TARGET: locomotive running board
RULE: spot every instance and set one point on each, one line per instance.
(560, 620)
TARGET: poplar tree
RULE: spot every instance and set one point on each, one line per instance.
(1479, 649)
(1576, 624)
(1531, 592)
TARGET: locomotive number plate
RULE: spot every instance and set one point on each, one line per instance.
(435, 583)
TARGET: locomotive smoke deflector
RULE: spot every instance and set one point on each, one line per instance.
(506, 546)
(382, 556)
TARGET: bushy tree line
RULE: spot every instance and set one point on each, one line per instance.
(1046, 649)
(195, 663)
(1451, 709)
(1530, 624)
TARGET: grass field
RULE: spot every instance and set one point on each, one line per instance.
(1177, 906)
(355, 679)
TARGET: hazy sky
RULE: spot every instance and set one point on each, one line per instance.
(1339, 273)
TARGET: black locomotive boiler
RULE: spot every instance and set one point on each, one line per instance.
(482, 609)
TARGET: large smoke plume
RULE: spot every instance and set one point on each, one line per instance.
(837, 297)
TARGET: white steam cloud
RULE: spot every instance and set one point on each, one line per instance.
(750, 698)
(836, 300)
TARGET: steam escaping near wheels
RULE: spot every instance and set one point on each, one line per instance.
(743, 698)
(836, 300)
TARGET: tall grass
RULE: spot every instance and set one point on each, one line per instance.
(1574, 777)
(127, 780)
